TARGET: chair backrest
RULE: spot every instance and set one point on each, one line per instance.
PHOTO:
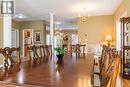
(48, 50)
(108, 63)
(104, 58)
(8, 55)
(114, 73)
(78, 48)
(32, 52)
(73, 48)
(106, 73)
(41, 51)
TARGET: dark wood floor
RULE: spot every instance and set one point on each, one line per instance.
(71, 72)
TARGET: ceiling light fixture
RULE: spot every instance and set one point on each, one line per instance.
(84, 15)
(58, 22)
(20, 16)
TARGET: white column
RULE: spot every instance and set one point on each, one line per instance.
(7, 29)
(52, 30)
(7, 24)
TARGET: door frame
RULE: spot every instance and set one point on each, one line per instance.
(17, 36)
(23, 50)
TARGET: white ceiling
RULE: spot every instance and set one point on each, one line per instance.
(65, 11)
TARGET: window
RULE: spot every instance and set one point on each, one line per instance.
(48, 39)
(74, 39)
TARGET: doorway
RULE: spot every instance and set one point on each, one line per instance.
(15, 42)
(15, 38)
(27, 39)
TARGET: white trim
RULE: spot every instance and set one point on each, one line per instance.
(23, 43)
(119, 27)
(18, 44)
(125, 14)
(7, 28)
(17, 34)
(52, 30)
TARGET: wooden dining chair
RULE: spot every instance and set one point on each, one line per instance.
(109, 73)
(107, 64)
(114, 72)
(8, 55)
(7, 52)
(48, 51)
(78, 50)
(33, 52)
(108, 68)
(42, 52)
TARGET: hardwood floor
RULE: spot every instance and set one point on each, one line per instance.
(122, 82)
(70, 72)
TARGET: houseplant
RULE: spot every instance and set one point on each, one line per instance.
(59, 52)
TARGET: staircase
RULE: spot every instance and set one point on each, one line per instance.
(74, 37)
(70, 41)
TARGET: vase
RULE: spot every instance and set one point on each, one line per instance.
(60, 56)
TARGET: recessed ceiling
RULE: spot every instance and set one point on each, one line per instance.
(65, 11)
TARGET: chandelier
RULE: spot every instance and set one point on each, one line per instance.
(83, 19)
(83, 16)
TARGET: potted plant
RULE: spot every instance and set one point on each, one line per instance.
(59, 52)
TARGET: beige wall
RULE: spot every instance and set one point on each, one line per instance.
(36, 25)
(15, 24)
(95, 29)
(124, 7)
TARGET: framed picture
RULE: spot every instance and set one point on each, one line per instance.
(37, 37)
